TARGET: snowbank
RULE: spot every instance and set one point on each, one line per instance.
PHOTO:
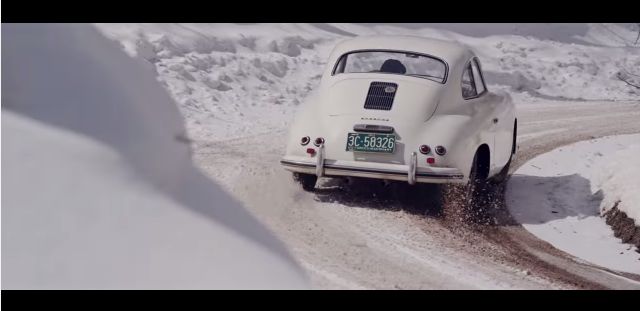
(99, 190)
(619, 180)
(560, 197)
(222, 75)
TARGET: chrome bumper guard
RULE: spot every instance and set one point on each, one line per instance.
(320, 161)
(410, 174)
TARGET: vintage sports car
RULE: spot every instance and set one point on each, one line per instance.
(403, 108)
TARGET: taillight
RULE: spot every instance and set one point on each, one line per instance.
(431, 160)
(441, 150)
(305, 140)
(311, 151)
(424, 149)
(319, 141)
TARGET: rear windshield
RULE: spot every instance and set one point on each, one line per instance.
(393, 62)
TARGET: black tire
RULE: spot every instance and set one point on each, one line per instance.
(307, 181)
(477, 191)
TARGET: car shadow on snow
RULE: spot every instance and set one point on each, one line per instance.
(522, 199)
(419, 199)
(538, 199)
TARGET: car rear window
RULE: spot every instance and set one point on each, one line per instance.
(393, 62)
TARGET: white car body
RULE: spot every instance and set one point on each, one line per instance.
(421, 112)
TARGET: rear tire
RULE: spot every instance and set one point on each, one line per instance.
(477, 191)
(307, 181)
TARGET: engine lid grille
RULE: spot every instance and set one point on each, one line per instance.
(381, 95)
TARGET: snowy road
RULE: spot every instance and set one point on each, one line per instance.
(366, 238)
(237, 88)
(246, 82)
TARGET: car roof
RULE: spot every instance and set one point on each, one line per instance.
(446, 50)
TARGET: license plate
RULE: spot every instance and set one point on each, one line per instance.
(370, 142)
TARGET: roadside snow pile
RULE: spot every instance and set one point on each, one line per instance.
(544, 67)
(619, 180)
(98, 187)
(237, 80)
(230, 80)
(561, 197)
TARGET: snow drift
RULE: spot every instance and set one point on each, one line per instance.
(224, 74)
(619, 181)
(99, 190)
(560, 197)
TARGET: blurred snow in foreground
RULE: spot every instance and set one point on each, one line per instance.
(99, 190)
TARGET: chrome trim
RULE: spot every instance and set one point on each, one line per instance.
(473, 79)
(372, 128)
(302, 140)
(370, 170)
(411, 175)
(428, 149)
(321, 141)
(320, 161)
(446, 65)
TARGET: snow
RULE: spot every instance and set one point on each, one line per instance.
(611, 34)
(99, 189)
(560, 197)
(245, 72)
(236, 82)
(619, 181)
(224, 74)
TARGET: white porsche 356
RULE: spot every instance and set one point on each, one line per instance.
(402, 108)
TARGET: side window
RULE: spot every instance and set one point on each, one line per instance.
(468, 85)
(341, 64)
(477, 76)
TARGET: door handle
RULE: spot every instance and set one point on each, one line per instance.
(495, 120)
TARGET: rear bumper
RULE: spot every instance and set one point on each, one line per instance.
(372, 170)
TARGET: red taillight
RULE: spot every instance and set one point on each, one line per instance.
(424, 149)
(311, 151)
(319, 141)
(431, 160)
(441, 150)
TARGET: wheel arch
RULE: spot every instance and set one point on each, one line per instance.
(515, 135)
